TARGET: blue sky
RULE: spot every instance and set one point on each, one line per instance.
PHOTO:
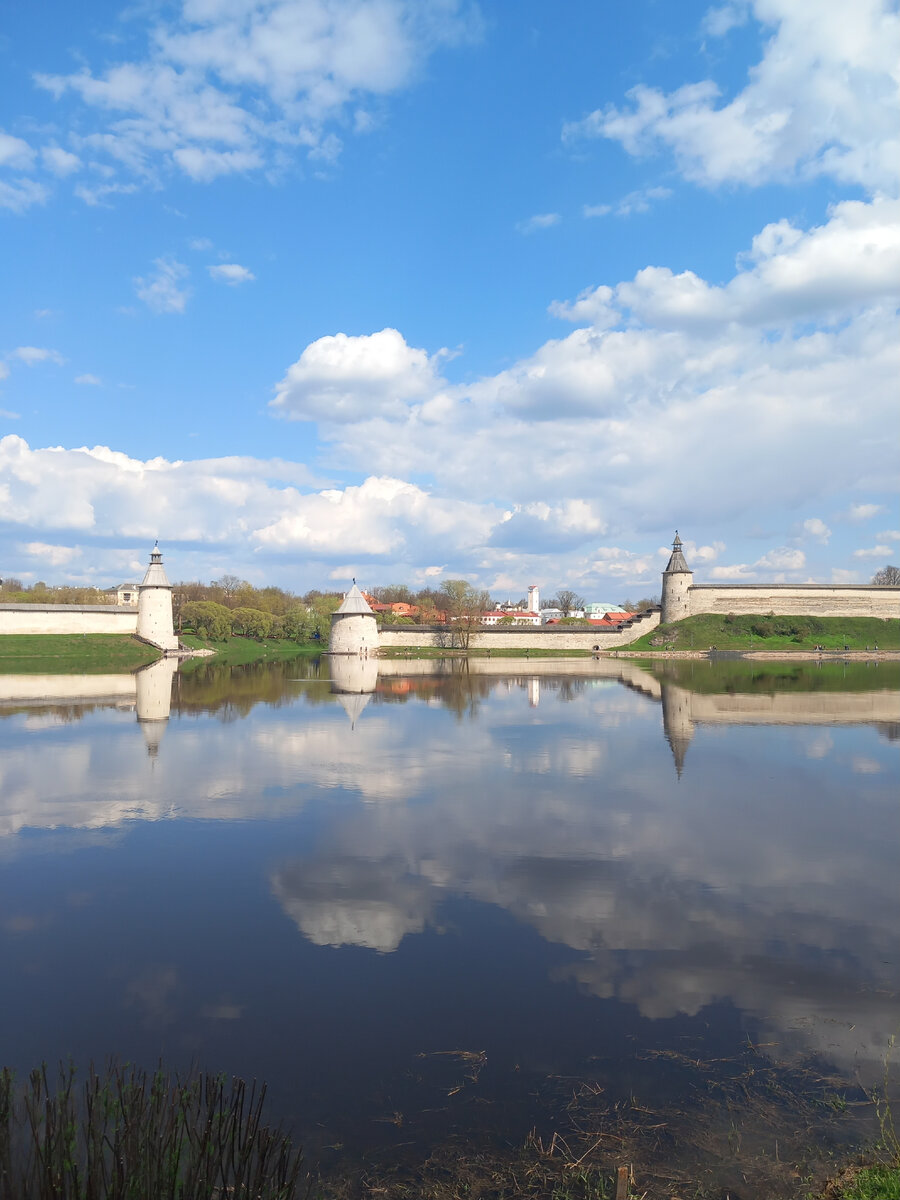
(319, 288)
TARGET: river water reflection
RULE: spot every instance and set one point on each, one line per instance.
(317, 880)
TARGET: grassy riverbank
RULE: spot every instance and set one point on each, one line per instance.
(68, 653)
(236, 651)
(478, 652)
(782, 634)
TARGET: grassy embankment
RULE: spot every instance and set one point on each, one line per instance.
(478, 652)
(782, 634)
(238, 650)
(65, 653)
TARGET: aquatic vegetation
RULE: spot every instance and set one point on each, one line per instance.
(127, 1135)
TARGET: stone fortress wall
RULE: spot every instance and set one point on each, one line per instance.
(151, 620)
(811, 599)
(682, 598)
(67, 618)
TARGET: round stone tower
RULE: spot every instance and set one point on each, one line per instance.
(676, 581)
(154, 619)
(354, 629)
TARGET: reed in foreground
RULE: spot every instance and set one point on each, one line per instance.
(129, 1135)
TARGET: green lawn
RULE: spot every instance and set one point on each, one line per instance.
(772, 633)
(64, 653)
(237, 650)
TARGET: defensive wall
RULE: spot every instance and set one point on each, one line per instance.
(150, 619)
(793, 599)
(523, 638)
(67, 618)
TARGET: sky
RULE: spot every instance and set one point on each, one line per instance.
(414, 289)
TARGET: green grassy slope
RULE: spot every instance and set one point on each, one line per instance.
(772, 633)
(63, 653)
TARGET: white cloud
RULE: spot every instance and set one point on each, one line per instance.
(163, 292)
(234, 87)
(816, 528)
(821, 101)
(537, 222)
(200, 244)
(230, 273)
(21, 194)
(92, 380)
(851, 260)
(635, 202)
(783, 558)
(862, 512)
(880, 551)
(32, 355)
(60, 162)
(15, 153)
(890, 535)
(53, 556)
(342, 378)
(737, 571)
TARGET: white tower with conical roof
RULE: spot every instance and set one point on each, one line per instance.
(677, 580)
(154, 620)
(354, 629)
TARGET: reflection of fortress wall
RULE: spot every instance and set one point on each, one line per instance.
(621, 669)
(153, 687)
(41, 689)
(353, 674)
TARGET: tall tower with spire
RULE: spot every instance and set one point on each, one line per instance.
(354, 629)
(154, 619)
(676, 582)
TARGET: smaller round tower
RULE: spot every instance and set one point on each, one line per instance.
(677, 581)
(354, 629)
(154, 618)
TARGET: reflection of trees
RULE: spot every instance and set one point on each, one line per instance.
(64, 713)
(232, 691)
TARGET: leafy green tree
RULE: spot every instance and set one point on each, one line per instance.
(208, 619)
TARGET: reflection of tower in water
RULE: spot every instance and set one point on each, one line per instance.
(153, 685)
(353, 681)
(678, 724)
(534, 692)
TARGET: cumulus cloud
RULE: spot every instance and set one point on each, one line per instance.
(343, 378)
(232, 88)
(230, 273)
(89, 380)
(816, 528)
(53, 556)
(863, 512)
(783, 558)
(821, 101)
(880, 551)
(164, 291)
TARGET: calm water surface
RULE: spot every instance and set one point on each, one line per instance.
(333, 883)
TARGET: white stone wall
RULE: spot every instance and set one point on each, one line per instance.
(500, 638)
(154, 617)
(819, 600)
(66, 618)
(353, 632)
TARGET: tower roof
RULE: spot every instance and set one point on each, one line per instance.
(156, 572)
(354, 602)
(676, 561)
